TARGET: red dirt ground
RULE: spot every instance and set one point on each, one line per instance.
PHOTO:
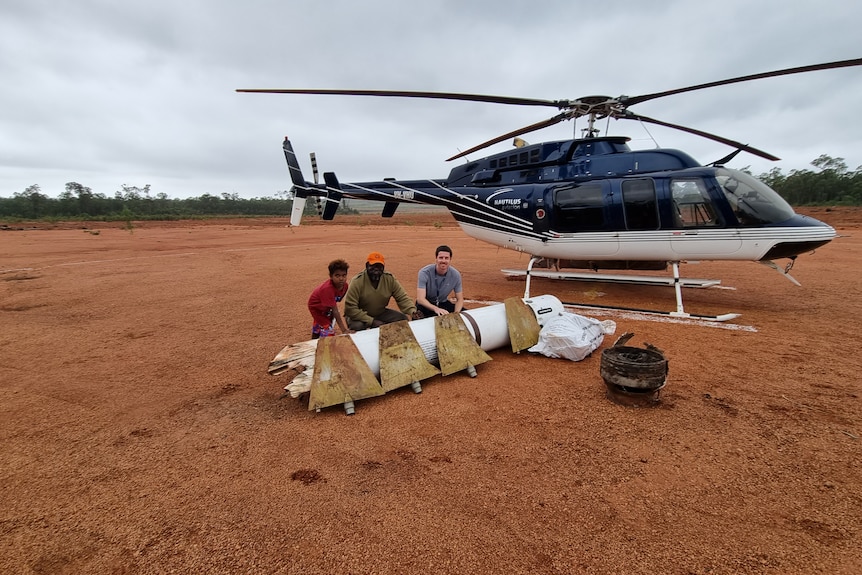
(141, 431)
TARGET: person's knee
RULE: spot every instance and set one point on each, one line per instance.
(425, 311)
(391, 316)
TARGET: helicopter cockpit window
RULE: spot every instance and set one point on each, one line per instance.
(694, 208)
(641, 207)
(753, 202)
(580, 208)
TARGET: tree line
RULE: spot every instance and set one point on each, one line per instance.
(138, 203)
(831, 184)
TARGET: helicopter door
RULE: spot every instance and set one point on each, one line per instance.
(640, 204)
(703, 230)
(583, 210)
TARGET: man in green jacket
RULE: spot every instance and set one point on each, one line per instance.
(369, 294)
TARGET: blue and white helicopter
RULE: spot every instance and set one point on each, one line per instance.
(593, 203)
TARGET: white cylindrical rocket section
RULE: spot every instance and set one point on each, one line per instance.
(488, 327)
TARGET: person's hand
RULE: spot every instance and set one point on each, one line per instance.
(442, 311)
(376, 323)
(417, 315)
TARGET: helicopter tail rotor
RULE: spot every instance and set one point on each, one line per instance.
(331, 192)
(315, 174)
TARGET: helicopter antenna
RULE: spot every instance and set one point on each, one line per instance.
(649, 134)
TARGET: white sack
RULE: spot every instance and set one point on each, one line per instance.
(572, 336)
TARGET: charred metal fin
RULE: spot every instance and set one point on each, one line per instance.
(456, 348)
(340, 375)
(402, 360)
(524, 328)
(333, 195)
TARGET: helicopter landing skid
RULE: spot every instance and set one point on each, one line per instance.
(651, 312)
(677, 282)
(613, 278)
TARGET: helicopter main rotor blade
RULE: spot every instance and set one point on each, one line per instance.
(560, 104)
(526, 129)
(733, 143)
(631, 100)
(594, 106)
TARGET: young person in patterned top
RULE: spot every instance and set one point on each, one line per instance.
(323, 301)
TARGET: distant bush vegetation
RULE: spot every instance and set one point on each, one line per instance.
(78, 202)
(831, 184)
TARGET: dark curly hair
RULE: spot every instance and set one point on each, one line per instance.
(338, 265)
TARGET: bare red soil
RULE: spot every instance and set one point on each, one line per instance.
(141, 432)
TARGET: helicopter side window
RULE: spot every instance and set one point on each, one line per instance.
(580, 208)
(641, 207)
(692, 204)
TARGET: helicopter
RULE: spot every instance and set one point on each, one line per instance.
(593, 203)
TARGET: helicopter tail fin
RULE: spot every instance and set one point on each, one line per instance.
(300, 187)
(333, 195)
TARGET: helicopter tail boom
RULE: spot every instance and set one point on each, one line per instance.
(389, 191)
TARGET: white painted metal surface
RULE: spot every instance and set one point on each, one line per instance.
(489, 328)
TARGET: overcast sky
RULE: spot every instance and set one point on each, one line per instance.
(108, 93)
